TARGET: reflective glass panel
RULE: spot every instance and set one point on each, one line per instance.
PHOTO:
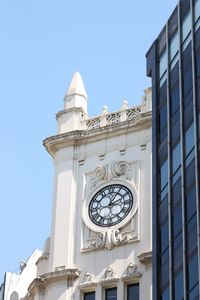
(197, 10)
(164, 174)
(174, 46)
(165, 295)
(164, 237)
(89, 296)
(176, 157)
(194, 293)
(189, 139)
(163, 63)
(111, 294)
(193, 271)
(178, 287)
(133, 291)
(186, 26)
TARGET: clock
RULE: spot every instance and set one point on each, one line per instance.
(110, 205)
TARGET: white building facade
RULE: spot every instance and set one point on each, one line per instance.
(100, 242)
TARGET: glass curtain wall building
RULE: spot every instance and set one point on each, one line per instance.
(173, 63)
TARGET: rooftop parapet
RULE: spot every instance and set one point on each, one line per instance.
(75, 116)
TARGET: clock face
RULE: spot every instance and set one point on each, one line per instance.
(110, 205)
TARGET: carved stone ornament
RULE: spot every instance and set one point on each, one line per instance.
(109, 240)
(101, 173)
(131, 272)
(109, 277)
(119, 168)
(87, 281)
(145, 258)
(115, 169)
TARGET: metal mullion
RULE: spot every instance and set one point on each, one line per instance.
(182, 157)
(169, 166)
(195, 134)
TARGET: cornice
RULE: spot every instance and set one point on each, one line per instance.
(78, 137)
(40, 283)
(72, 109)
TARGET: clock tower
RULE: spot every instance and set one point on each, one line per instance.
(100, 242)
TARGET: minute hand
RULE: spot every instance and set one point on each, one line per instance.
(117, 200)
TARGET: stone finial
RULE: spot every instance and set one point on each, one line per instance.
(76, 86)
(124, 105)
(104, 110)
(76, 95)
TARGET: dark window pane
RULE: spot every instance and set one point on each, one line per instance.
(185, 7)
(173, 23)
(197, 39)
(164, 193)
(186, 58)
(133, 292)
(194, 293)
(191, 235)
(174, 98)
(163, 210)
(188, 116)
(178, 286)
(177, 219)
(190, 175)
(187, 81)
(177, 252)
(176, 176)
(189, 139)
(164, 237)
(190, 157)
(193, 271)
(187, 70)
(111, 294)
(163, 93)
(163, 152)
(163, 117)
(188, 100)
(164, 270)
(165, 294)
(176, 192)
(198, 63)
(89, 296)
(176, 158)
(190, 202)
(174, 75)
(175, 131)
(162, 41)
(164, 174)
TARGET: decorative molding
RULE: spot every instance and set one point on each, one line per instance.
(69, 110)
(40, 283)
(145, 258)
(44, 256)
(109, 277)
(59, 141)
(87, 282)
(131, 273)
(112, 170)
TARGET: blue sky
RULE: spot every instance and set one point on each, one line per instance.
(42, 44)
